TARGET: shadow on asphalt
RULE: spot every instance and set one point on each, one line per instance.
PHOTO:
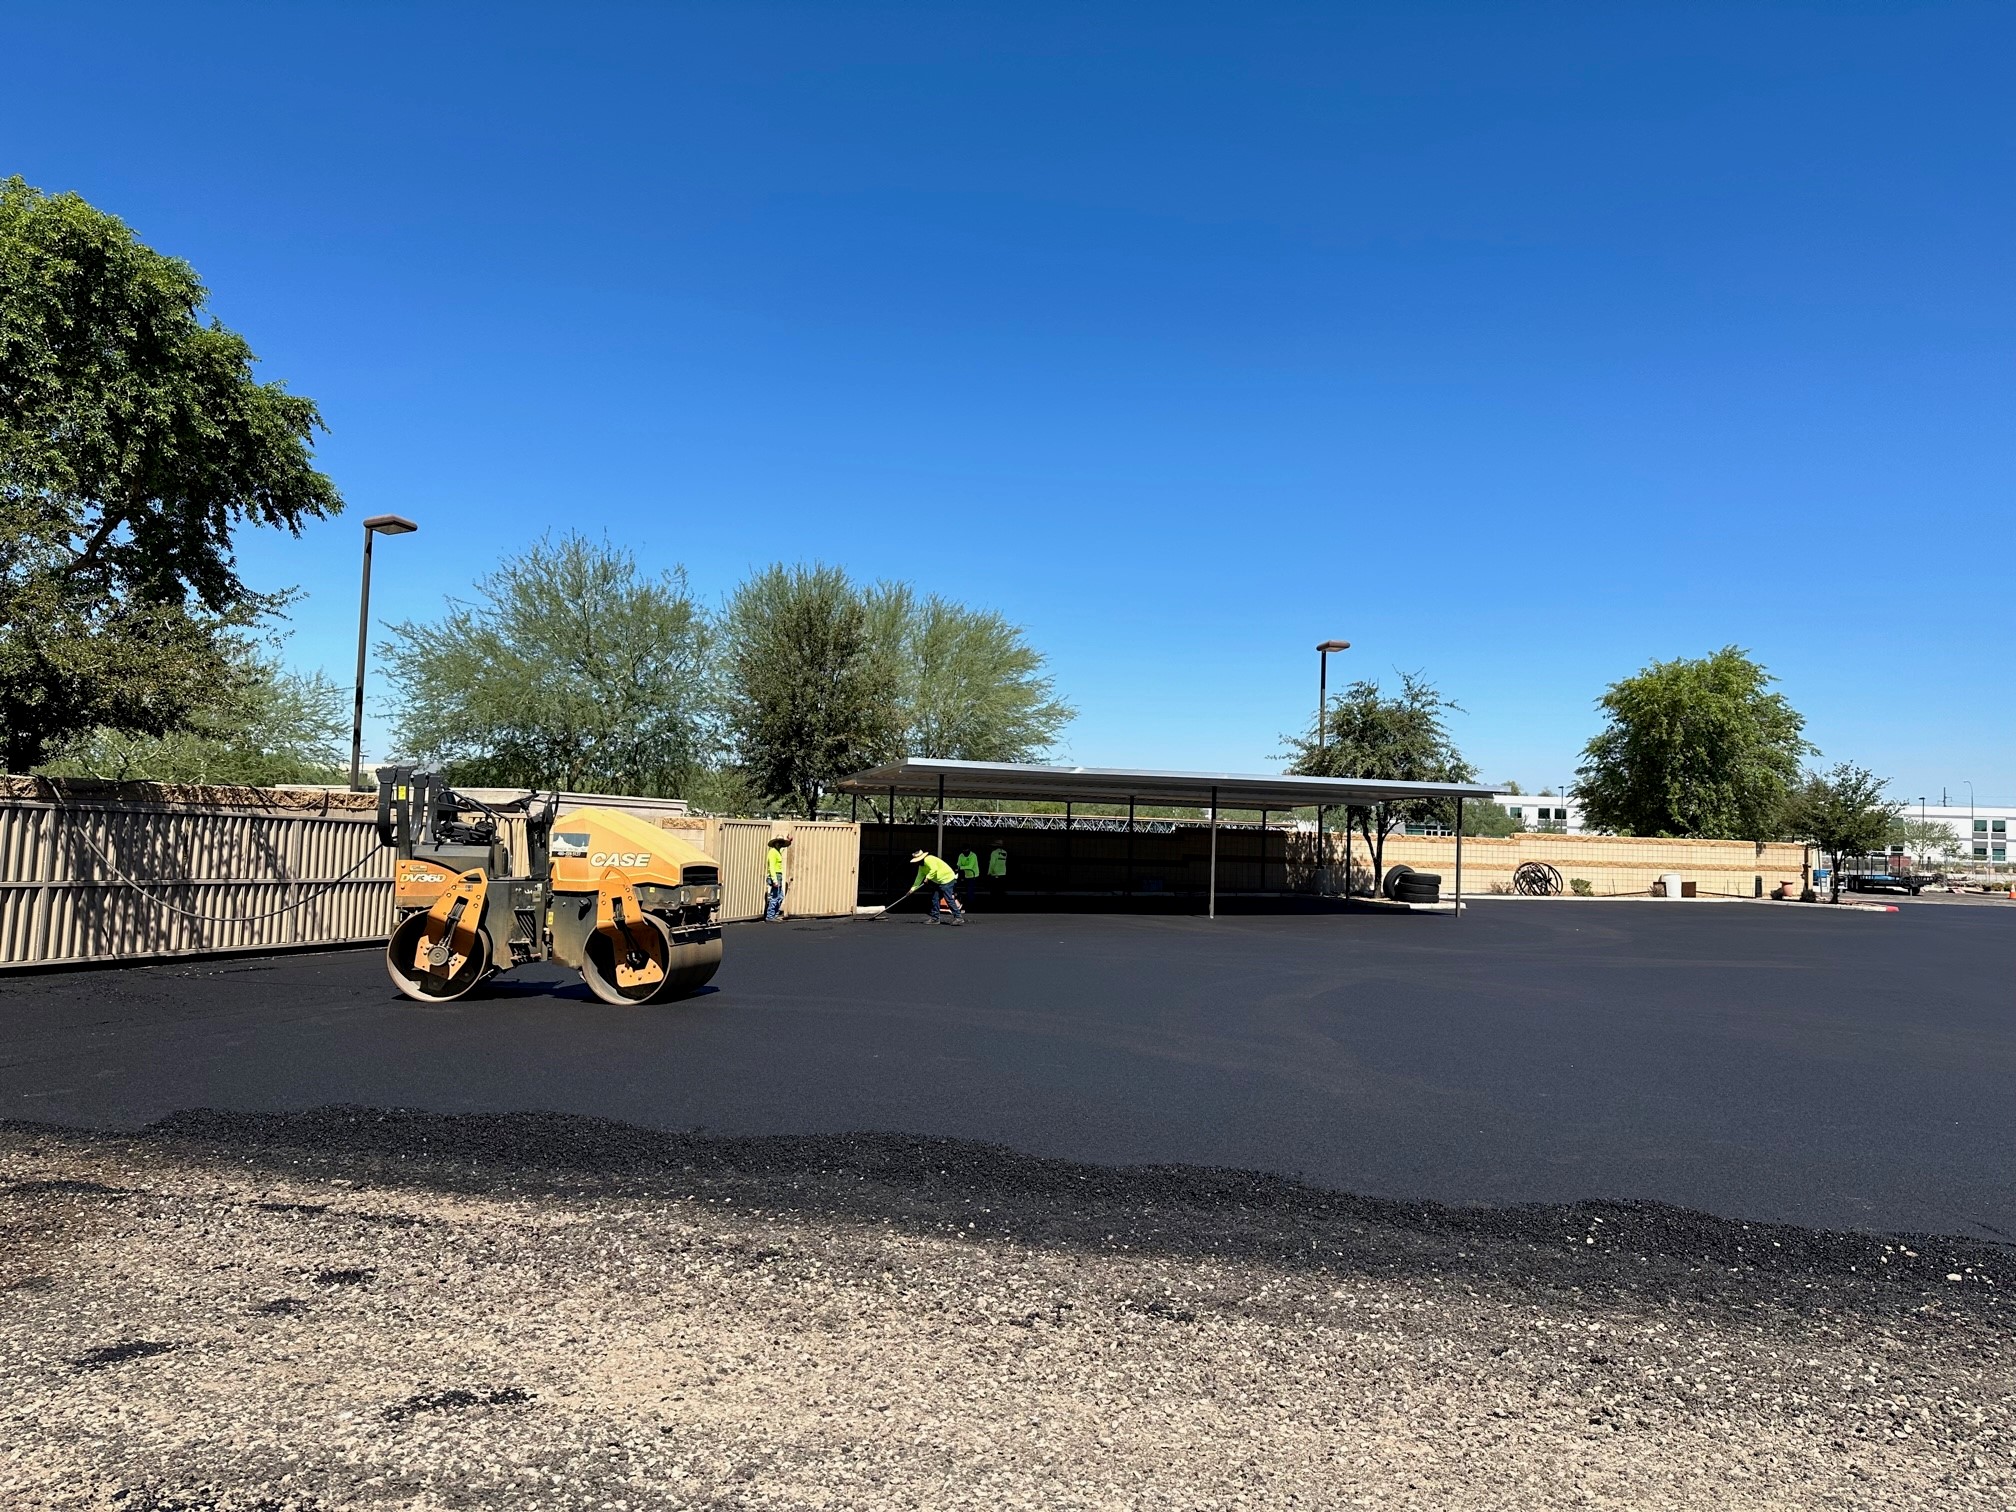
(1639, 1254)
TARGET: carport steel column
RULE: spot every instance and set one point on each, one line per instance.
(941, 813)
(1459, 858)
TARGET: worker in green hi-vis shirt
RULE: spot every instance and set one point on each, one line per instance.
(934, 872)
(773, 872)
(968, 862)
(997, 873)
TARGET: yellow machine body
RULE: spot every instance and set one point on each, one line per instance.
(633, 906)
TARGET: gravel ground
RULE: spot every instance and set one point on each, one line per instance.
(351, 1308)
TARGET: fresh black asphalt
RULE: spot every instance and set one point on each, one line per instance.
(1846, 1070)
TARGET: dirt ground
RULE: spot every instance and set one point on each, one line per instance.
(349, 1309)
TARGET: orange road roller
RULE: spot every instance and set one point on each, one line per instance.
(635, 909)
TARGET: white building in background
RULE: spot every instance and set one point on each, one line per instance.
(1543, 811)
(1980, 831)
(1547, 813)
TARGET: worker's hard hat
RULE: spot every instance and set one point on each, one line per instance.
(918, 856)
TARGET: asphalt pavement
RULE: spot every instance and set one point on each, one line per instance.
(1843, 1070)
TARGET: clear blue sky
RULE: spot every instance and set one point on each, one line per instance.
(1516, 344)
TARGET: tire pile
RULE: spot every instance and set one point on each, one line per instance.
(1403, 884)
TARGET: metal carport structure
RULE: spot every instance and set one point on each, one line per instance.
(943, 780)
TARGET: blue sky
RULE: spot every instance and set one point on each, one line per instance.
(1516, 344)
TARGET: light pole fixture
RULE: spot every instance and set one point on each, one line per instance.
(375, 526)
(1323, 650)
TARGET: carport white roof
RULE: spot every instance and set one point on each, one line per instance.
(1058, 784)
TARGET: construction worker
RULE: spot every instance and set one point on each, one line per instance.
(997, 872)
(773, 894)
(933, 871)
(968, 862)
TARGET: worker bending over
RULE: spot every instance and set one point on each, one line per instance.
(934, 872)
(773, 892)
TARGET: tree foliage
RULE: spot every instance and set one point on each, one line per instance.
(968, 687)
(134, 440)
(1487, 820)
(1403, 737)
(811, 692)
(1930, 839)
(1844, 813)
(1693, 748)
(571, 669)
(260, 725)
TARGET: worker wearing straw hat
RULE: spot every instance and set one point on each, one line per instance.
(937, 874)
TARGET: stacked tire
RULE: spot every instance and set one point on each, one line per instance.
(1405, 885)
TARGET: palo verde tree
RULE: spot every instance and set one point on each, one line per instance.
(1403, 737)
(1696, 748)
(811, 692)
(570, 669)
(1843, 812)
(134, 440)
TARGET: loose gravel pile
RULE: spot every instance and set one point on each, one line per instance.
(356, 1309)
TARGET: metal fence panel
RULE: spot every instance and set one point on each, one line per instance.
(94, 881)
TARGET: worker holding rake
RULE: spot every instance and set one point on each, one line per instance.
(937, 874)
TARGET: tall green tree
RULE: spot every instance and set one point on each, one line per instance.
(1693, 748)
(968, 686)
(570, 669)
(1401, 737)
(812, 692)
(134, 442)
(261, 725)
(1844, 813)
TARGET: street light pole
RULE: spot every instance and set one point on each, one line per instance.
(376, 525)
(1323, 651)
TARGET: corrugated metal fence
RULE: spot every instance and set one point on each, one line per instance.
(98, 878)
(102, 881)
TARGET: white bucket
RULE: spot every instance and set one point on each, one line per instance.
(1670, 885)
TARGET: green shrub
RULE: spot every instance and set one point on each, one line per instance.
(1580, 887)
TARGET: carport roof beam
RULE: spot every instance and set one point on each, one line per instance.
(1058, 784)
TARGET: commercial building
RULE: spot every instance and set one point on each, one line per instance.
(1980, 831)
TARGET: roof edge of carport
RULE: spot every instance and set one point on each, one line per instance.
(1002, 779)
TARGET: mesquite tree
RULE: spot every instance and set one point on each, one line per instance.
(134, 441)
